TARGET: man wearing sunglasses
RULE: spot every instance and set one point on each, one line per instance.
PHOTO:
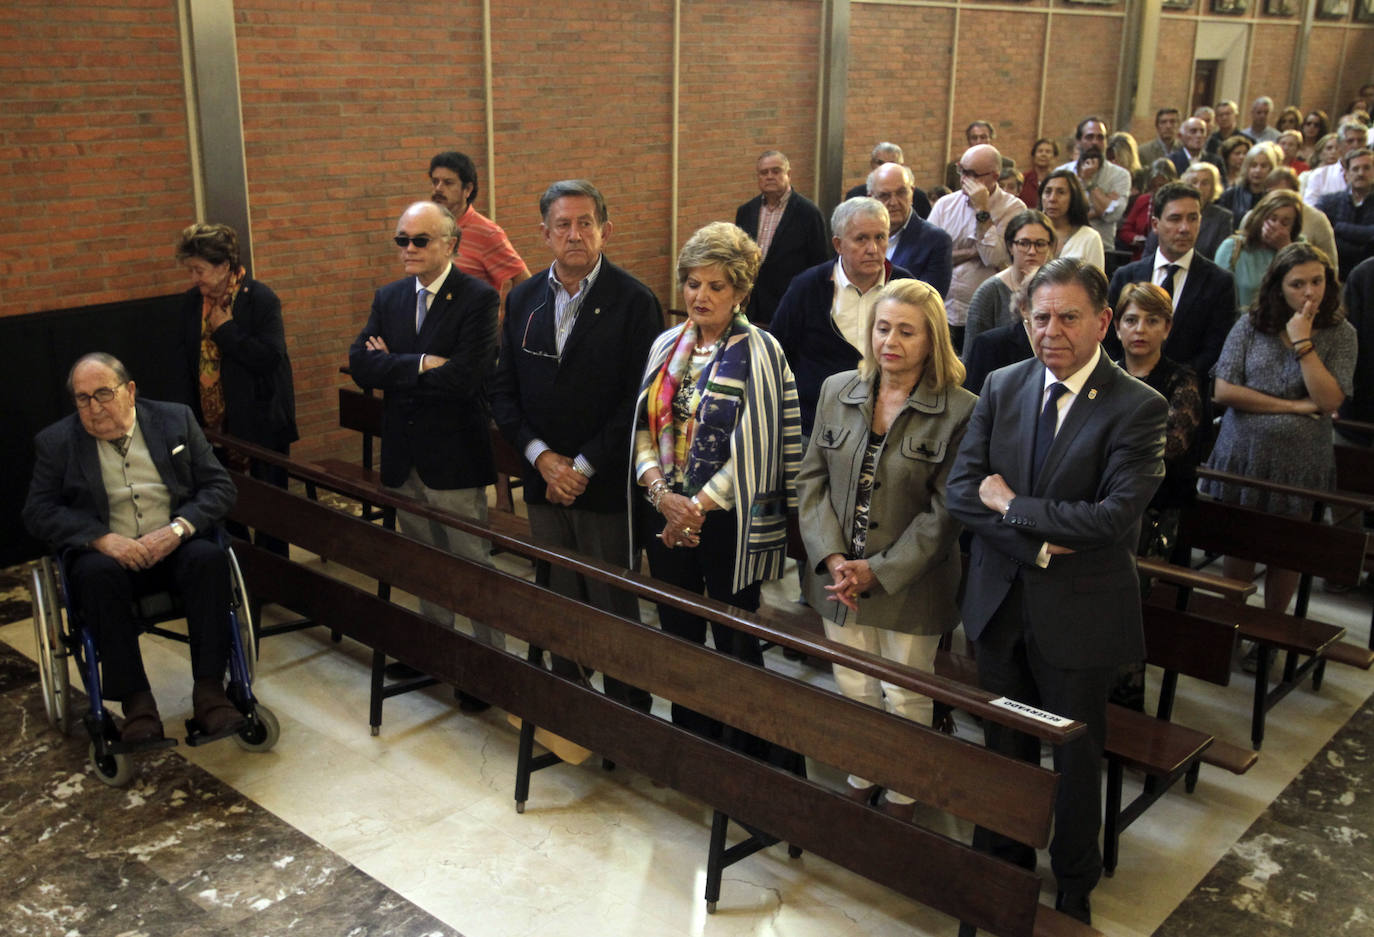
(429, 345)
(573, 348)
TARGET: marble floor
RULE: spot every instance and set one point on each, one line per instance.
(422, 815)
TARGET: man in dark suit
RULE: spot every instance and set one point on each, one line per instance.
(789, 230)
(913, 244)
(1062, 455)
(430, 344)
(891, 153)
(573, 348)
(993, 349)
(1192, 148)
(131, 488)
(1204, 295)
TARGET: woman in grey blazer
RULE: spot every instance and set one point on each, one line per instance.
(872, 502)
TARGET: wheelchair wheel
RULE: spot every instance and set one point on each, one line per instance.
(261, 732)
(52, 651)
(243, 615)
(113, 770)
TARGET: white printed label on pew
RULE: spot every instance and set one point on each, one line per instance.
(1039, 715)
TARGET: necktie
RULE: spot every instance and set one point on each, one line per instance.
(1169, 273)
(1044, 429)
(420, 309)
(122, 444)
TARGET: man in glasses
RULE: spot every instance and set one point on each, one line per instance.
(975, 218)
(429, 345)
(132, 489)
(573, 348)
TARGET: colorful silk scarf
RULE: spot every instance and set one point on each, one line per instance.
(211, 390)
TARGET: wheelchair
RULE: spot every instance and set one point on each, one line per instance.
(61, 637)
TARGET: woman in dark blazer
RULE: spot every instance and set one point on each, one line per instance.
(235, 347)
(872, 502)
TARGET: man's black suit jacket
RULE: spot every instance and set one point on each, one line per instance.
(993, 349)
(255, 372)
(1101, 472)
(435, 422)
(67, 505)
(582, 401)
(1202, 318)
(798, 244)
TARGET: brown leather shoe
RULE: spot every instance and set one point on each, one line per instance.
(213, 711)
(141, 720)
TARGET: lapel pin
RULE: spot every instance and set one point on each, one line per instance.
(448, 296)
(596, 311)
(1092, 394)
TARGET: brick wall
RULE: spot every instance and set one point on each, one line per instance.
(344, 103)
(1272, 47)
(93, 149)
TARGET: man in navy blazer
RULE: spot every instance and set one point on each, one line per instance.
(789, 229)
(913, 244)
(131, 491)
(1061, 457)
(573, 349)
(1204, 294)
(430, 344)
(822, 321)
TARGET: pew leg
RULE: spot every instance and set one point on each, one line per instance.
(524, 754)
(715, 859)
(1318, 672)
(374, 708)
(1263, 658)
(1190, 779)
(967, 930)
(1111, 817)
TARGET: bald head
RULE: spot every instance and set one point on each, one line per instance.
(432, 225)
(893, 185)
(982, 162)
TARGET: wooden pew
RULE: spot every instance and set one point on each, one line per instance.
(954, 776)
(1310, 548)
(1355, 475)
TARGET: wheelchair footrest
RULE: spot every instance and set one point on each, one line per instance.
(113, 747)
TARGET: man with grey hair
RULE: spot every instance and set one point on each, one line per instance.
(822, 321)
(1259, 130)
(573, 347)
(1192, 138)
(891, 153)
(429, 345)
(789, 230)
(914, 244)
(1325, 180)
(1225, 116)
(975, 218)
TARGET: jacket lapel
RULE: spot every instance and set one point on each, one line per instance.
(1084, 406)
(159, 447)
(88, 459)
(589, 314)
(1028, 414)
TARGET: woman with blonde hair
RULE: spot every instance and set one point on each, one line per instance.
(1241, 196)
(883, 547)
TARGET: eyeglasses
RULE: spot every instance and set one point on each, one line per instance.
(972, 173)
(419, 240)
(1027, 244)
(102, 395)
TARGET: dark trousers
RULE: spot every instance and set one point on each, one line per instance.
(104, 591)
(604, 537)
(1010, 663)
(709, 567)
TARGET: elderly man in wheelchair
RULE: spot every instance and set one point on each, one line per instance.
(129, 492)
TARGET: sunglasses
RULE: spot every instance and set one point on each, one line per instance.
(419, 240)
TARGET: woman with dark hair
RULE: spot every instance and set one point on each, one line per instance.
(1233, 151)
(1064, 202)
(1044, 154)
(1314, 126)
(1030, 243)
(716, 449)
(1285, 369)
(1271, 226)
(234, 345)
(872, 496)
(1135, 227)
(1290, 118)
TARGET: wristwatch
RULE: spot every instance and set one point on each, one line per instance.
(982, 217)
(179, 529)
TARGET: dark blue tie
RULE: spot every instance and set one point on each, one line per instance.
(1044, 430)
